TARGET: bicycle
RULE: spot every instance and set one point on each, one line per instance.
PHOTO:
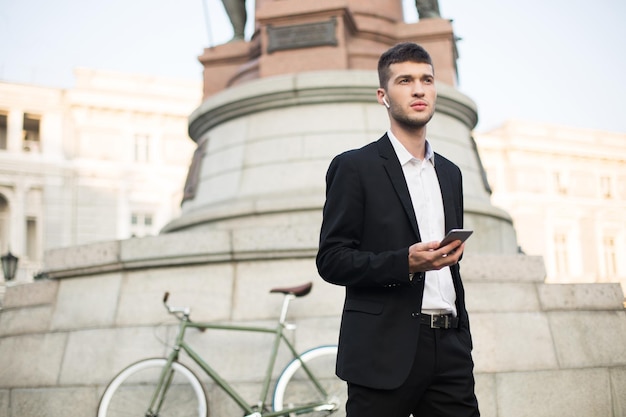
(164, 387)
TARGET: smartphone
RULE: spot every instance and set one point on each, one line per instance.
(456, 234)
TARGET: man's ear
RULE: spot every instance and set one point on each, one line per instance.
(381, 97)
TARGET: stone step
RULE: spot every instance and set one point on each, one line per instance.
(502, 268)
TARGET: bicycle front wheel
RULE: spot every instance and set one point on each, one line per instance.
(130, 392)
(296, 388)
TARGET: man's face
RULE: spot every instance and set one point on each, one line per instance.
(411, 93)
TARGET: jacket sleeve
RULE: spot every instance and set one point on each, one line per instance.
(346, 253)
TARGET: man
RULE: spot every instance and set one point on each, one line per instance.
(405, 345)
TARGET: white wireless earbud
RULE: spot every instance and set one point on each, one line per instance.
(385, 101)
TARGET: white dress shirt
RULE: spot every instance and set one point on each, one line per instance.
(421, 179)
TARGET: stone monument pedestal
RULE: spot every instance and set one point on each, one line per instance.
(277, 109)
(266, 145)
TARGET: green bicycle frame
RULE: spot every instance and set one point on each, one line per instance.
(166, 374)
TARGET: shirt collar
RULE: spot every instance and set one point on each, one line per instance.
(405, 156)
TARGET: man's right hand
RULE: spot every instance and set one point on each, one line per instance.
(428, 256)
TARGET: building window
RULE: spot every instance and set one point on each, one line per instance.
(561, 264)
(30, 134)
(3, 130)
(606, 187)
(32, 247)
(608, 257)
(4, 224)
(140, 224)
(142, 148)
(560, 183)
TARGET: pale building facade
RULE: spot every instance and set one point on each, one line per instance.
(104, 160)
(565, 189)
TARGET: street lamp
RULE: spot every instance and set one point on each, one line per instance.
(9, 265)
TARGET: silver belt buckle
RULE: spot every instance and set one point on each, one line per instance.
(446, 321)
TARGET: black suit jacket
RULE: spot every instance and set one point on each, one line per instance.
(368, 225)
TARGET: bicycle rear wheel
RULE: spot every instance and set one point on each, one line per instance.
(130, 392)
(295, 388)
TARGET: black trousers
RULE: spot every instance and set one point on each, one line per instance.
(440, 384)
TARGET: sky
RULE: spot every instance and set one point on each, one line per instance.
(554, 61)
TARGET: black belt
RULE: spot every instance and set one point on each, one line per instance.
(439, 321)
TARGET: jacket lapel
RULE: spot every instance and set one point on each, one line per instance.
(447, 194)
(396, 176)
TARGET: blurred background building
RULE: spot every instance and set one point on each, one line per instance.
(565, 189)
(104, 160)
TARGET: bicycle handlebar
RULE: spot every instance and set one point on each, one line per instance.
(174, 310)
(186, 311)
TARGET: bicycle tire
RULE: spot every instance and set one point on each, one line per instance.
(294, 387)
(130, 392)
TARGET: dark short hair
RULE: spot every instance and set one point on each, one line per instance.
(402, 52)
